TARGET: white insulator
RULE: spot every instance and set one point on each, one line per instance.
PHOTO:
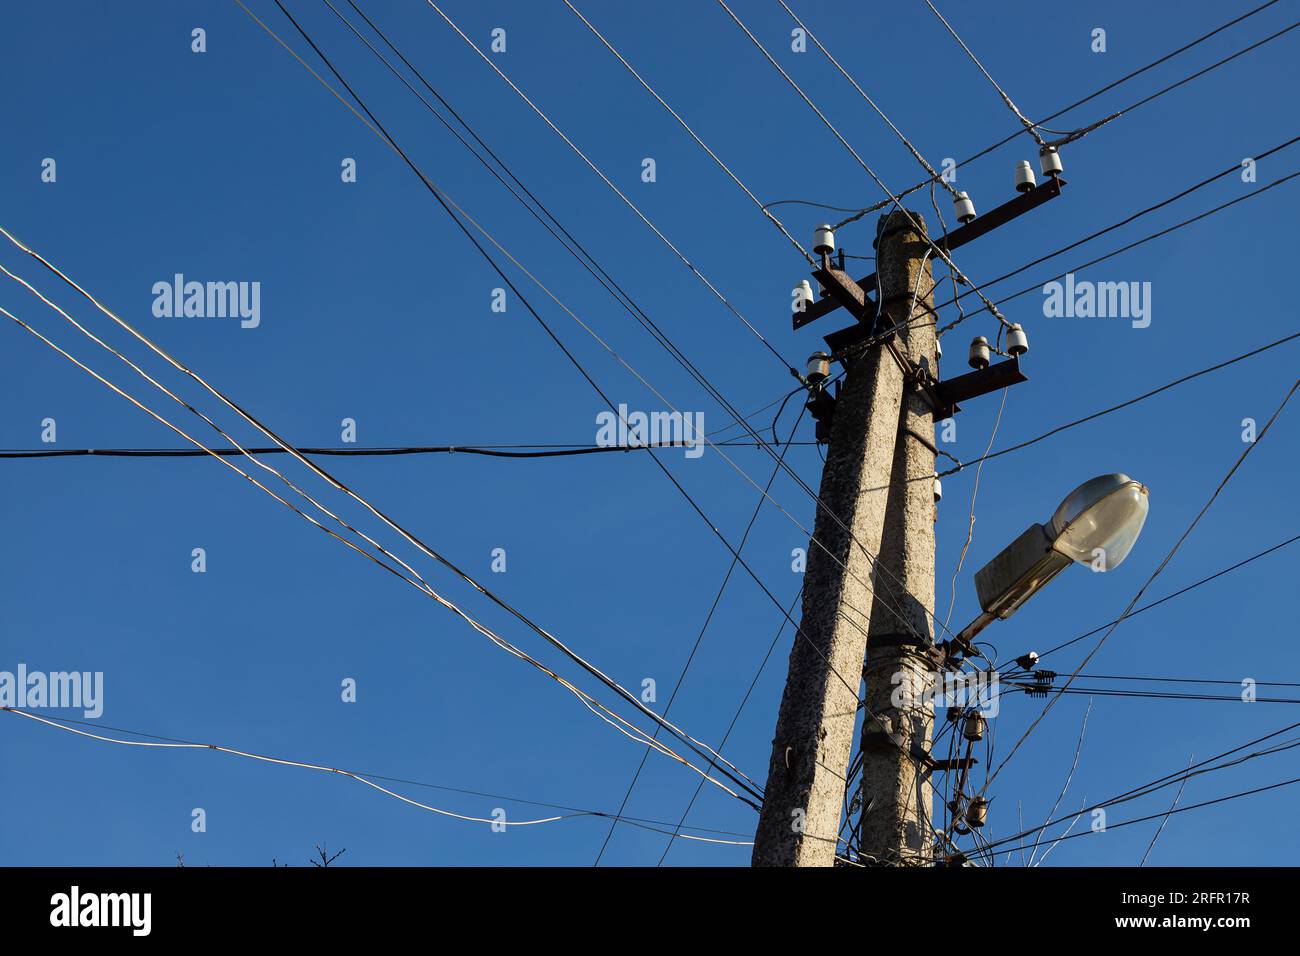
(819, 367)
(965, 208)
(938, 348)
(1049, 161)
(979, 353)
(938, 487)
(1017, 341)
(823, 240)
(803, 295)
(1024, 177)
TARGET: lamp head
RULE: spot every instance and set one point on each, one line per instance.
(1102, 518)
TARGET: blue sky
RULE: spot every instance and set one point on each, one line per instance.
(225, 165)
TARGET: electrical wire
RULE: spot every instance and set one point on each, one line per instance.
(970, 526)
(515, 186)
(1168, 780)
(1188, 680)
(623, 196)
(1122, 405)
(543, 450)
(1037, 286)
(1154, 574)
(448, 205)
(367, 779)
(712, 155)
(1170, 597)
(1234, 168)
(1098, 92)
(619, 723)
(943, 254)
(1038, 690)
(1168, 813)
(916, 154)
(1030, 128)
(320, 472)
(387, 138)
(681, 824)
(699, 638)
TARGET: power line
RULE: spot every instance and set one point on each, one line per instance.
(367, 779)
(675, 115)
(427, 784)
(541, 213)
(916, 154)
(384, 136)
(943, 253)
(1133, 245)
(417, 582)
(446, 202)
(1234, 168)
(1154, 574)
(1098, 92)
(1030, 128)
(699, 639)
(1115, 408)
(1168, 780)
(1188, 680)
(1168, 813)
(536, 450)
(1170, 597)
(623, 196)
(744, 784)
(596, 673)
(681, 824)
(961, 465)
(1034, 690)
(682, 359)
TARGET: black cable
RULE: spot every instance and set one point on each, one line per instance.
(1037, 286)
(681, 824)
(1164, 563)
(434, 191)
(1093, 95)
(1033, 690)
(699, 638)
(1187, 680)
(1162, 813)
(1159, 783)
(1115, 408)
(635, 310)
(494, 451)
(1234, 168)
(1170, 597)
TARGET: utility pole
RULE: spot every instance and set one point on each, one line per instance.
(897, 796)
(871, 598)
(847, 601)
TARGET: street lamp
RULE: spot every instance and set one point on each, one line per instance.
(1097, 525)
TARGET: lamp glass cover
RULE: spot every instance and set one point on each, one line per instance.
(1107, 514)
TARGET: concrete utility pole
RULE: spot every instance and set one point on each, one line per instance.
(846, 599)
(897, 799)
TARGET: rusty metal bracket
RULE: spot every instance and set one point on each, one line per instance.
(950, 391)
